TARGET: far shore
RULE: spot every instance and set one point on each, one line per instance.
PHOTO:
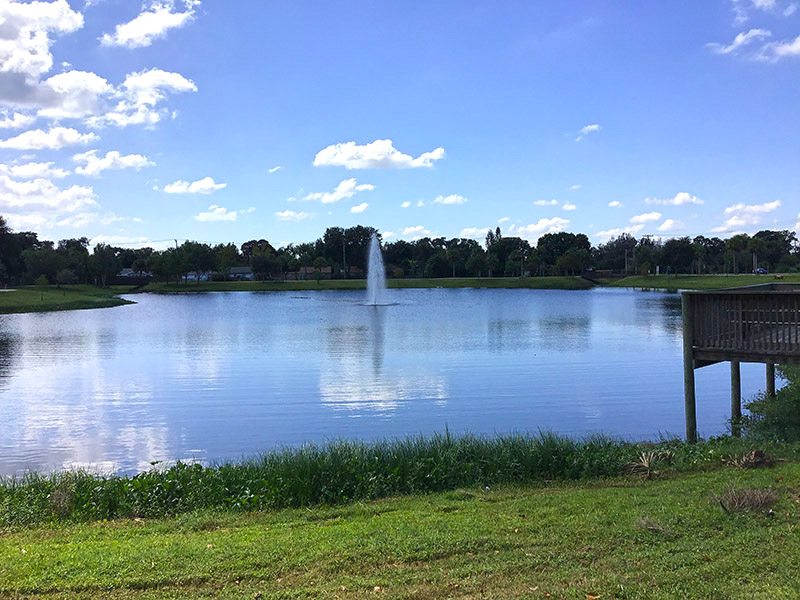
(24, 299)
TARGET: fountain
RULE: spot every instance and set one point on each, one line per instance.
(376, 273)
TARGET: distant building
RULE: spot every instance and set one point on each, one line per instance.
(127, 272)
(308, 273)
(240, 273)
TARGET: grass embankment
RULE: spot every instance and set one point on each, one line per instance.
(698, 282)
(73, 297)
(561, 283)
(628, 537)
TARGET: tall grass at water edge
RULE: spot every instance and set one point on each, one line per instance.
(338, 472)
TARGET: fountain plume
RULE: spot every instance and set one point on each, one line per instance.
(376, 273)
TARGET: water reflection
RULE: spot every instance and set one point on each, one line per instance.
(218, 376)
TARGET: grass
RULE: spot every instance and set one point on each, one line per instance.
(623, 538)
(698, 282)
(32, 299)
(563, 283)
(346, 471)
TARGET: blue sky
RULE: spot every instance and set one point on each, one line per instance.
(141, 123)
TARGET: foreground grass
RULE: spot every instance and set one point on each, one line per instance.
(32, 299)
(699, 282)
(561, 283)
(617, 538)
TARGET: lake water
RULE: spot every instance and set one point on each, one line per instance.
(224, 375)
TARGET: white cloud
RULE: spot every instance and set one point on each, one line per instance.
(791, 9)
(420, 203)
(797, 225)
(451, 199)
(569, 206)
(274, 169)
(75, 94)
(615, 204)
(577, 186)
(206, 185)
(680, 199)
(546, 203)
(387, 234)
(753, 208)
(380, 154)
(216, 213)
(54, 139)
(34, 170)
(290, 215)
(359, 208)
(671, 225)
(646, 217)
(15, 121)
(405, 204)
(536, 230)
(474, 233)
(416, 232)
(740, 41)
(346, 189)
(502, 220)
(609, 233)
(586, 130)
(150, 24)
(139, 97)
(775, 51)
(112, 160)
(43, 195)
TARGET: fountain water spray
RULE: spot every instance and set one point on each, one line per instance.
(376, 273)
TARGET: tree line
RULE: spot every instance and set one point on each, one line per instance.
(24, 258)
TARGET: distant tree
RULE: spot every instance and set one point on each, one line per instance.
(41, 284)
(103, 263)
(65, 277)
(437, 265)
(199, 257)
(477, 263)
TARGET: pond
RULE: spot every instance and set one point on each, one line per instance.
(225, 375)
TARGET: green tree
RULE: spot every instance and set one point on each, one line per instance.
(41, 284)
(103, 263)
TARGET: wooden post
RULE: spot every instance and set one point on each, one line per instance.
(736, 399)
(688, 368)
(771, 380)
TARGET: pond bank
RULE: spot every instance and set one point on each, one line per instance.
(627, 537)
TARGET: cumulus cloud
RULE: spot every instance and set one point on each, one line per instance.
(359, 208)
(534, 231)
(416, 232)
(776, 51)
(346, 189)
(290, 215)
(474, 233)
(740, 41)
(151, 24)
(216, 213)
(34, 170)
(569, 206)
(15, 121)
(74, 95)
(615, 204)
(745, 215)
(274, 169)
(54, 139)
(94, 165)
(546, 203)
(679, 200)
(405, 204)
(671, 225)
(451, 199)
(380, 154)
(586, 130)
(646, 217)
(206, 185)
(618, 231)
(39, 203)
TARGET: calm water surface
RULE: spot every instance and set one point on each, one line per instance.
(222, 375)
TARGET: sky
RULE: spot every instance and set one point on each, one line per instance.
(142, 123)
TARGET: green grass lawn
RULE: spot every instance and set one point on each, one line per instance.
(699, 282)
(616, 538)
(564, 283)
(31, 299)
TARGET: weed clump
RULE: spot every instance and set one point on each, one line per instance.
(746, 500)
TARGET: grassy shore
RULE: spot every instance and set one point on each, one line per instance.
(562, 283)
(628, 537)
(73, 297)
(698, 282)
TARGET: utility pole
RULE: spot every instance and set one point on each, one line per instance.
(344, 257)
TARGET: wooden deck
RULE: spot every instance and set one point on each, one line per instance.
(758, 323)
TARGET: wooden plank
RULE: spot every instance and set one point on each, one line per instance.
(690, 408)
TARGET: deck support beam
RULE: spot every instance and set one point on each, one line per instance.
(690, 406)
(771, 380)
(736, 399)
